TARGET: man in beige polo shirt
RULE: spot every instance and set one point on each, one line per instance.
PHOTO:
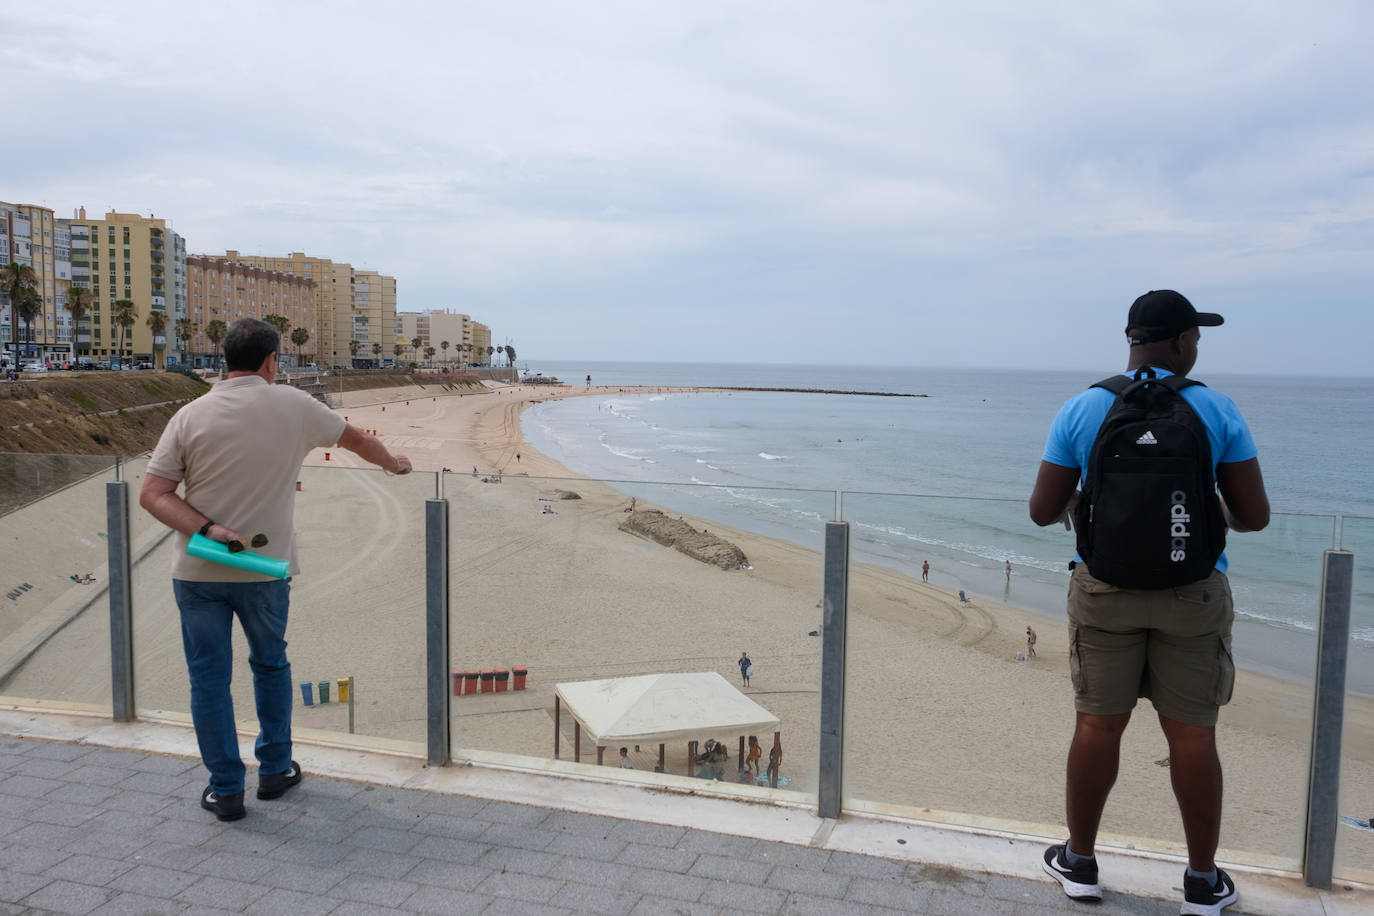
(236, 452)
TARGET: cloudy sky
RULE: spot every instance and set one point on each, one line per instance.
(899, 183)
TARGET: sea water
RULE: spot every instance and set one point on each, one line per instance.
(944, 478)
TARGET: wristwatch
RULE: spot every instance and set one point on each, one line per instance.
(205, 529)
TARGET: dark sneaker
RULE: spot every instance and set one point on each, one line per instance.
(275, 785)
(1203, 899)
(225, 807)
(1079, 881)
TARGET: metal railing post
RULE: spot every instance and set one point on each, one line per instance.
(121, 604)
(436, 631)
(1328, 712)
(834, 622)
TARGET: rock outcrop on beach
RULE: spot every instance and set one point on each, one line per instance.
(675, 533)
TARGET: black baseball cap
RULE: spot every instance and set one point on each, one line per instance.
(1162, 314)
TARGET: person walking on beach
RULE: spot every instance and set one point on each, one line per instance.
(1009, 570)
(1030, 642)
(746, 668)
(755, 754)
(236, 453)
(1163, 640)
(925, 570)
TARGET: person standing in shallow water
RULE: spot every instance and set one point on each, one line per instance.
(746, 668)
(1172, 643)
(925, 570)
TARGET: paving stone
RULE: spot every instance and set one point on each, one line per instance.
(599, 874)
(154, 763)
(57, 750)
(944, 901)
(77, 794)
(358, 908)
(744, 897)
(501, 834)
(154, 881)
(67, 897)
(432, 899)
(90, 775)
(16, 885)
(312, 852)
(586, 825)
(449, 805)
(641, 834)
(524, 861)
(571, 844)
(164, 854)
(303, 878)
(857, 866)
(122, 904)
(450, 826)
(15, 805)
(520, 887)
(29, 786)
(292, 903)
(221, 892)
(62, 813)
(802, 904)
(126, 823)
(889, 893)
(385, 839)
(584, 898)
(372, 889)
(446, 849)
(45, 769)
(657, 857)
(499, 812)
(231, 839)
(806, 881)
(376, 863)
(717, 844)
(662, 906)
(667, 884)
(526, 908)
(235, 866)
(738, 871)
(169, 784)
(34, 859)
(449, 875)
(88, 869)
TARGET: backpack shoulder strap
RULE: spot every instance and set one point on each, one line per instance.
(1179, 382)
(1114, 383)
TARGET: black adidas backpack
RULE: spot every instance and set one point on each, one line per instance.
(1149, 516)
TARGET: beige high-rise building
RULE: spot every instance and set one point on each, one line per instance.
(127, 256)
(225, 290)
(434, 328)
(481, 339)
(337, 305)
(32, 236)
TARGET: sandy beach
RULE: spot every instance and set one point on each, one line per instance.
(942, 720)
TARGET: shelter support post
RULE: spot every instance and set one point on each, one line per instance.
(740, 760)
(557, 712)
(121, 600)
(691, 758)
(1328, 713)
(661, 758)
(436, 632)
(577, 741)
(601, 755)
(835, 621)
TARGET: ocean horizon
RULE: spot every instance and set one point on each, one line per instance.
(944, 478)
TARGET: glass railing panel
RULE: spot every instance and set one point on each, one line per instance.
(1355, 831)
(948, 717)
(556, 576)
(54, 630)
(357, 611)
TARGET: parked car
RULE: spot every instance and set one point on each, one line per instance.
(34, 367)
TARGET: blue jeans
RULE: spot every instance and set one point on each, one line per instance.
(207, 616)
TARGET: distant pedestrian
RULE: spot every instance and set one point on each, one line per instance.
(625, 762)
(755, 754)
(746, 668)
(1009, 570)
(925, 571)
(1030, 642)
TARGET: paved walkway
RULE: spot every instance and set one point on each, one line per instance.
(88, 828)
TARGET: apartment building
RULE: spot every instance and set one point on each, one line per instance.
(127, 256)
(372, 319)
(433, 328)
(225, 290)
(32, 236)
(481, 340)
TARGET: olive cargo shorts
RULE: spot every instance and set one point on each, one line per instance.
(1172, 645)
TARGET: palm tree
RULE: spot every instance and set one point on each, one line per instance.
(280, 322)
(377, 354)
(78, 304)
(415, 346)
(184, 330)
(443, 345)
(429, 354)
(510, 355)
(300, 337)
(15, 277)
(124, 316)
(396, 351)
(215, 331)
(157, 323)
(353, 347)
(490, 350)
(28, 305)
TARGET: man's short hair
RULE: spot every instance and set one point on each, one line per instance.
(248, 343)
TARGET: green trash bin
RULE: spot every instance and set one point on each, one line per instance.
(324, 691)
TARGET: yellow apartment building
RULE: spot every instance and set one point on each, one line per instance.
(372, 319)
(481, 340)
(433, 328)
(225, 290)
(134, 257)
(32, 236)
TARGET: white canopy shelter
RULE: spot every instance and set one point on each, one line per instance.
(663, 707)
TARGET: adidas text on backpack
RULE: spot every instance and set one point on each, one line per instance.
(1149, 516)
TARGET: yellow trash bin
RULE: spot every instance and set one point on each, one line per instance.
(344, 684)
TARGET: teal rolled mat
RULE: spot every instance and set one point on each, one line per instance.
(215, 552)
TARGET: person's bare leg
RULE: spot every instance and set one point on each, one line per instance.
(1093, 759)
(1195, 770)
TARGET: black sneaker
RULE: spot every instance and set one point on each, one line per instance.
(225, 807)
(1079, 881)
(275, 785)
(1203, 899)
